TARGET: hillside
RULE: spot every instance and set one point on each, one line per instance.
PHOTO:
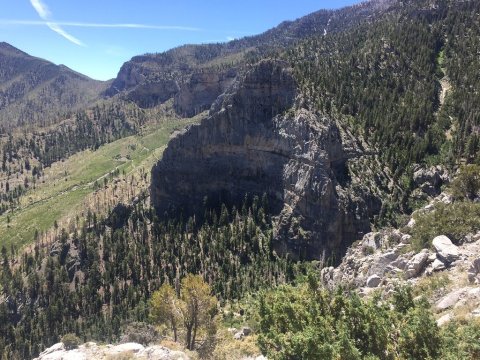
(151, 79)
(310, 192)
(36, 92)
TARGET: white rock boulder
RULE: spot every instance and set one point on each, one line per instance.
(446, 250)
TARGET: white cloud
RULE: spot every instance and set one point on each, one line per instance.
(55, 27)
(230, 38)
(45, 14)
(97, 25)
(41, 9)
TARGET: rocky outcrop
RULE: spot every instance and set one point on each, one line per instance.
(446, 250)
(151, 79)
(254, 143)
(201, 90)
(430, 180)
(92, 351)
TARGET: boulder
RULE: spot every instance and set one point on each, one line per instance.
(473, 272)
(373, 281)
(446, 250)
(238, 335)
(416, 264)
(430, 180)
(450, 300)
(444, 319)
(371, 240)
(92, 351)
(126, 347)
(381, 262)
(438, 265)
(246, 331)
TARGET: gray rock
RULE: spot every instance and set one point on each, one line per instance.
(429, 180)
(372, 240)
(246, 331)
(476, 313)
(406, 239)
(253, 142)
(238, 335)
(400, 263)
(373, 281)
(450, 300)
(438, 265)
(474, 271)
(381, 262)
(446, 250)
(444, 319)
(201, 90)
(416, 265)
(92, 351)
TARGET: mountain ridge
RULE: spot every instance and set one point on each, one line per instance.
(34, 91)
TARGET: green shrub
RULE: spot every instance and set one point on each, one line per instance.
(453, 220)
(467, 183)
(71, 341)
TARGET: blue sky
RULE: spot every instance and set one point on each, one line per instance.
(97, 37)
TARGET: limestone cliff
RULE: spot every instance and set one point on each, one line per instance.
(254, 142)
(201, 90)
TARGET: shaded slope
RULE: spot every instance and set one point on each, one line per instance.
(35, 91)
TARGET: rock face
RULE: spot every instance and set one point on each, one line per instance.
(251, 144)
(201, 90)
(92, 351)
(446, 251)
(430, 180)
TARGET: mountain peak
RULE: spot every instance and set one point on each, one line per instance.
(7, 49)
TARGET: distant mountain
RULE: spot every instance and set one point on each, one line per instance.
(35, 91)
(181, 72)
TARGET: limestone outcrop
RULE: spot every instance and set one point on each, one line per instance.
(201, 90)
(93, 351)
(255, 141)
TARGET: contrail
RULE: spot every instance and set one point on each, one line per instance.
(45, 14)
(97, 25)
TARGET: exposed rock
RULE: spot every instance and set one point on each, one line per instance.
(476, 313)
(92, 351)
(238, 335)
(373, 281)
(446, 250)
(416, 265)
(126, 347)
(411, 223)
(232, 330)
(201, 90)
(246, 331)
(380, 263)
(406, 239)
(438, 265)
(372, 240)
(251, 145)
(430, 180)
(474, 271)
(450, 300)
(444, 319)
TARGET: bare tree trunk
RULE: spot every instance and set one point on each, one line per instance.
(194, 334)
(189, 337)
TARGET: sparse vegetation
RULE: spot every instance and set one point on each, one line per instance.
(453, 220)
(71, 341)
